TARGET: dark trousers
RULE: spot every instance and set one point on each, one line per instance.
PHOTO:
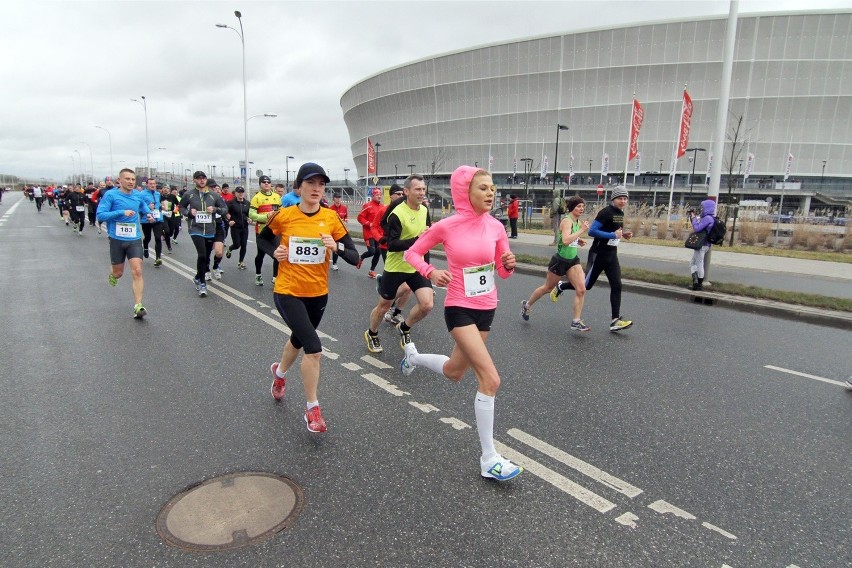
(258, 260)
(78, 218)
(606, 262)
(374, 251)
(203, 246)
(155, 230)
(513, 225)
(239, 240)
(38, 202)
(93, 210)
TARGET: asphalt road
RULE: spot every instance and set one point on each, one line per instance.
(684, 441)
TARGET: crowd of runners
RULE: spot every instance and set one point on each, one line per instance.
(305, 236)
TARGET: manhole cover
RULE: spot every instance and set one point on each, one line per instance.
(230, 511)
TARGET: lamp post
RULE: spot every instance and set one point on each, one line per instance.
(411, 168)
(378, 145)
(395, 171)
(287, 167)
(590, 168)
(91, 160)
(822, 177)
(527, 169)
(73, 168)
(144, 104)
(245, 98)
(661, 167)
(109, 137)
(346, 176)
(80, 171)
(556, 157)
(694, 159)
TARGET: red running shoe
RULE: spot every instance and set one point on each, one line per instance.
(371, 274)
(360, 262)
(314, 420)
(278, 384)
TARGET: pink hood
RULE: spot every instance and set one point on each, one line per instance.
(460, 189)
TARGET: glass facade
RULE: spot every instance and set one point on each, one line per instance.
(792, 83)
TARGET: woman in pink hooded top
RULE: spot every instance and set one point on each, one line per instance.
(477, 247)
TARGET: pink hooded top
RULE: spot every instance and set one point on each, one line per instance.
(469, 239)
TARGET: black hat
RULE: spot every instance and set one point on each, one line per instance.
(262, 179)
(309, 170)
(239, 189)
(212, 183)
(335, 195)
(199, 174)
(394, 189)
(225, 185)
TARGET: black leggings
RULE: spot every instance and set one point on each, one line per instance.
(606, 262)
(302, 316)
(239, 240)
(258, 259)
(157, 230)
(203, 246)
(78, 218)
(93, 210)
(374, 251)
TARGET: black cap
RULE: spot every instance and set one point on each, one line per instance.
(239, 189)
(225, 185)
(212, 183)
(262, 179)
(199, 174)
(309, 170)
(394, 189)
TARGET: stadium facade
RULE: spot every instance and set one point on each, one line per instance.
(792, 84)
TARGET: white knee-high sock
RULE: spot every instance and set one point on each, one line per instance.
(483, 408)
(431, 361)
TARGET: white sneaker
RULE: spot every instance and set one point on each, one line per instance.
(405, 365)
(334, 267)
(207, 276)
(217, 273)
(498, 468)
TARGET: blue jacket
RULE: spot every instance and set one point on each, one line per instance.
(147, 196)
(111, 210)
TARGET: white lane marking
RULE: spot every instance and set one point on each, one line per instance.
(12, 208)
(627, 519)
(583, 467)
(351, 366)
(663, 507)
(330, 354)
(722, 532)
(261, 304)
(376, 362)
(385, 385)
(807, 376)
(218, 283)
(575, 490)
(427, 408)
(455, 423)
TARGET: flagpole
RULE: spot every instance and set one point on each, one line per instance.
(629, 132)
(674, 158)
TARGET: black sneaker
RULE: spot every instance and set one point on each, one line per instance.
(145, 253)
(227, 253)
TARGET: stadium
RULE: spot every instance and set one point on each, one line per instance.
(500, 105)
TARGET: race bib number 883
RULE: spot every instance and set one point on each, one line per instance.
(304, 250)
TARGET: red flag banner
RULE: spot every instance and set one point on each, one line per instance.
(371, 158)
(685, 121)
(635, 124)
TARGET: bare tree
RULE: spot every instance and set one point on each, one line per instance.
(439, 157)
(737, 137)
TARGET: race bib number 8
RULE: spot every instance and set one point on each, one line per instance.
(125, 230)
(478, 280)
(304, 250)
(203, 218)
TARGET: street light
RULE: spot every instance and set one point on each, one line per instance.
(590, 167)
(694, 159)
(91, 160)
(346, 175)
(245, 99)
(287, 167)
(822, 177)
(79, 157)
(109, 137)
(73, 168)
(527, 170)
(556, 157)
(147, 155)
(411, 168)
(661, 167)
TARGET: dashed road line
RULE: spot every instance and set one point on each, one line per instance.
(664, 507)
(722, 532)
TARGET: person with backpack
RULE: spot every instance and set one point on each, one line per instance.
(703, 222)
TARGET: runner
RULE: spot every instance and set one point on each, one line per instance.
(168, 204)
(221, 231)
(406, 221)
(366, 217)
(603, 255)
(121, 209)
(238, 211)
(38, 196)
(94, 197)
(476, 247)
(263, 205)
(308, 233)
(151, 197)
(343, 213)
(565, 261)
(200, 205)
(75, 202)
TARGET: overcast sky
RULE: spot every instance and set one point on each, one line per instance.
(69, 66)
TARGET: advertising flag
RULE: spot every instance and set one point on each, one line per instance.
(515, 168)
(749, 166)
(371, 158)
(789, 166)
(544, 167)
(605, 164)
(571, 168)
(490, 163)
(636, 119)
(709, 165)
(637, 164)
(685, 122)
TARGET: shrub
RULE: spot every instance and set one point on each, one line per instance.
(662, 229)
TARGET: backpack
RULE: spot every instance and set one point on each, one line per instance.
(716, 236)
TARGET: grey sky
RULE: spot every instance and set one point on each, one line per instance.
(68, 66)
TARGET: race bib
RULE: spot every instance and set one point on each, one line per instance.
(167, 213)
(203, 218)
(304, 250)
(155, 214)
(613, 242)
(79, 207)
(478, 280)
(125, 230)
(575, 244)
